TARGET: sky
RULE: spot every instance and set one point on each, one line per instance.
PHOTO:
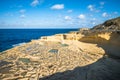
(56, 13)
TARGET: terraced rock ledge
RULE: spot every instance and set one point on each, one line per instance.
(87, 54)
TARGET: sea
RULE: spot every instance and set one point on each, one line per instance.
(10, 38)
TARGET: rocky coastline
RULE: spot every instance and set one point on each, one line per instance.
(86, 54)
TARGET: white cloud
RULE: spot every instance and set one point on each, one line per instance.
(22, 16)
(69, 11)
(105, 14)
(35, 3)
(22, 11)
(68, 18)
(81, 16)
(93, 23)
(57, 6)
(102, 4)
(91, 7)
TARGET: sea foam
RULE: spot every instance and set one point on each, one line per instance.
(19, 44)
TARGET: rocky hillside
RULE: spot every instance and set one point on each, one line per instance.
(113, 24)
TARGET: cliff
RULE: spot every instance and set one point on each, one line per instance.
(107, 35)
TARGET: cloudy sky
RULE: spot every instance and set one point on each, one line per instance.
(56, 13)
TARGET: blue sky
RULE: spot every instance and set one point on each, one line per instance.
(56, 13)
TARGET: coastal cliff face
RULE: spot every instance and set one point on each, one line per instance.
(87, 54)
(107, 37)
